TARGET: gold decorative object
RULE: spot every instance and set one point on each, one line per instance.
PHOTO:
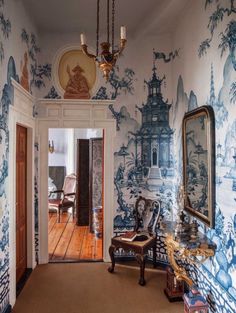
(108, 56)
(51, 148)
(192, 255)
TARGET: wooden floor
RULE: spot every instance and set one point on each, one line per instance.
(69, 242)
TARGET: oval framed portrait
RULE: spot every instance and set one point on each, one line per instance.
(74, 74)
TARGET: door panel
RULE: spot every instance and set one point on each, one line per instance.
(82, 182)
(21, 203)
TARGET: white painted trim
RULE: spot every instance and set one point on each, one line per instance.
(22, 91)
(92, 103)
(69, 114)
(21, 112)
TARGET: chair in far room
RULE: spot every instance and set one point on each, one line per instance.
(146, 213)
(67, 196)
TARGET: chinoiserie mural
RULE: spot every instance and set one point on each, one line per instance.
(38, 71)
(14, 59)
(5, 30)
(148, 156)
(217, 277)
(144, 162)
(148, 149)
(6, 100)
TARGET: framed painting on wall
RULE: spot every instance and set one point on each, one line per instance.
(75, 74)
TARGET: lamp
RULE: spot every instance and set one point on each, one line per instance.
(51, 146)
(108, 56)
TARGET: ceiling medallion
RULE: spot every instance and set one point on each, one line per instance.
(106, 60)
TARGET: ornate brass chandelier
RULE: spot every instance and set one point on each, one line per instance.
(108, 56)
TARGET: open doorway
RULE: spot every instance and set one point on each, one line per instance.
(75, 189)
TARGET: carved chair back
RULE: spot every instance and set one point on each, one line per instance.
(69, 187)
(147, 213)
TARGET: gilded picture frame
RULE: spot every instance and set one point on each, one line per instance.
(198, 134)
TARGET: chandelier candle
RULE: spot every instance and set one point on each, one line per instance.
(83, 39)
(123, 32)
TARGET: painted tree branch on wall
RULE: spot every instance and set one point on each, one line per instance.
(227, 38)
(121, 83)
(228, 41)
(38, 72)
(5, 26)
(116, 115)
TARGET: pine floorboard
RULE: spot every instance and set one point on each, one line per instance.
(69, 242)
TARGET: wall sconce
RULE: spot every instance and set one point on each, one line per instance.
(51, 146)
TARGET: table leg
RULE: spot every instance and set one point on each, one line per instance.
(141, 260)
(111, 252)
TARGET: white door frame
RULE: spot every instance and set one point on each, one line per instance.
(21, 113)
(75, 114)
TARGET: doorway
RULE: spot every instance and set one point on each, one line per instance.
(75, 233)
(21, 204)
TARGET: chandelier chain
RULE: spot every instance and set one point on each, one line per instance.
(108, 20)
(98, 13)
(113, 23)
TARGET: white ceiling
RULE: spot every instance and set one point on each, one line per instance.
(80, 15)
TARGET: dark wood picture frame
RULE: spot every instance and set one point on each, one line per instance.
(198, 136)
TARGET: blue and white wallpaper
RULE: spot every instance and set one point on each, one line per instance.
(12, 51)
(148, 155)
(144, 162)
(216, 60)
(153, 88)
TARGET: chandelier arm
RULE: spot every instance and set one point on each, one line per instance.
(121, 48)
(85, 51)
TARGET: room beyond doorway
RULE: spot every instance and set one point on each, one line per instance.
(75, 188)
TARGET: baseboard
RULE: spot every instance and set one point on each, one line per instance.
(7, 309)
(23, 281)
(75, 261)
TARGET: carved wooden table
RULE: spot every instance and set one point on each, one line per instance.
(193, 251)
(140, 249)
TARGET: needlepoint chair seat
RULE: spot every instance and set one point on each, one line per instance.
(146, 213)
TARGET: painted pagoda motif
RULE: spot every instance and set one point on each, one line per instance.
(155, 135)
(221, 113)
(144, 161)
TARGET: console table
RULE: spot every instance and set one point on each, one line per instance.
(194, 251)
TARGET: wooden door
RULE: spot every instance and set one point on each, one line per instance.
(82, 202)
(21, 202)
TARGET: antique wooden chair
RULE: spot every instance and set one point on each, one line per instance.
(147, 213)
(67, 196)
